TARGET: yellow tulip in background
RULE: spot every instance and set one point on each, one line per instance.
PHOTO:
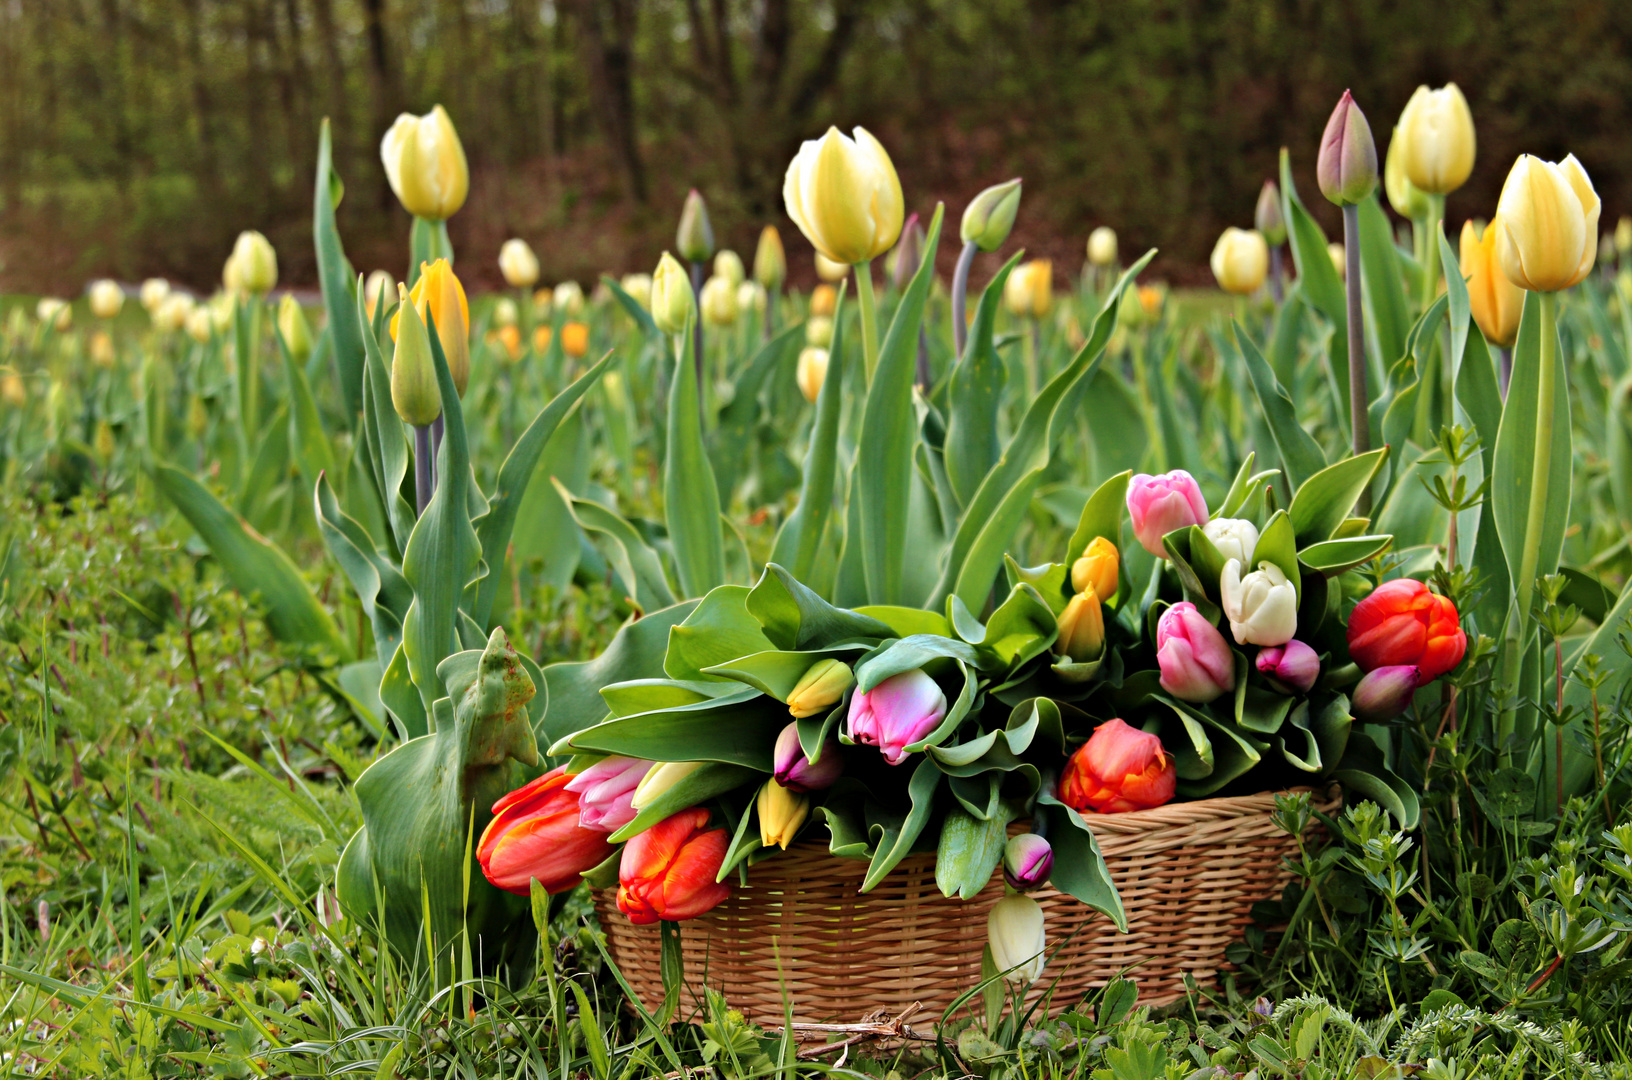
(1102, 246)
(378, 285)
(639, 288)
(518, 264)
(425, 163)
(106, 298)
(1403, 196)
(719, 301)
(1030, 289)
(770, 260)
(153, 292)
(672, 301)
(824, 299)
(830, 271)
(296, 331)
(812, 372)
(439, 295)
(1436, 136)
(1495, 301)
(1547, 224)
(1240, 261)
(728, 265)
(414, 392)
(253, 265)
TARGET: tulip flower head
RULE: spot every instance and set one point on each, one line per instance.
(153, 292)
(639, 288)
(1240, 261)
(659, 780)
(672, 299)
(1081, 628)
(1015, 931)
(106, 298)
(1547, 224)
(719, 301)
(378, 286)
(824, 301)
(509, 338)
(781, 812)
(439, 295)
(796, 772)
(1196, 662)
(1158, 505)
(770, 259)
(1235, 538)
(199, 322)
(1027, 860)
(1099, 569)
(1347, 165)
(750, 297)
(414, 390)
(541, 338)
(812, 372)
(844, 195)
(667, 872)
(425, 163)
(1262, 606)
(12, 390)
(1118, 769)
(1102, 246)
(296, 331)
(505, 312)
(1385, 692)
(1267, 215)
(1495, 301)
(253, 264)
(568, 298)
(518, 264)
(990, 216)
(694, 237)
(1291, 668)
(897, 712)
(536, 834)
(822, 686)
(1437, 142)
(1405, 197)
(1404, 623)
(1029, 290)
(102, 353)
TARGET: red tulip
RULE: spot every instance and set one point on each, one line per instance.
(668, 871)
(535, 834)
(1119, 768)
(1402, 623)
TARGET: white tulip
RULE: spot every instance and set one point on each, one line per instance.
(1015, 931)
(1262, 607)
(1233, 537)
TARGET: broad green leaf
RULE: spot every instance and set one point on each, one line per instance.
(634, 561)
(383, 431)
(708, 780)
(797, 541)
(381, 590)
(737, 729)
(636, 652)
(968, 851)
(334, 275)
(794, 617)
(691, 499)
(731, 445)
(1277, 544)
(1322, 503)
(1383, 283)
(974, 397)
(893, 839)
(1365, 773)
(907, 654)
(1101, 515)
(308, 443)
(1300, 454)
(1079, 867)
(908, 621)
(777, 673)
(1333, 557)
(1456, 296)
(631, 307)
(718, 630)
(1319, 283)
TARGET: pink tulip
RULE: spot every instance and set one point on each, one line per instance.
(1027, 861)
(1385, 693)
(898, 711)
(1291, 668)
(1197, 664)
(606, 790)
(794, 770)
(1160, 504)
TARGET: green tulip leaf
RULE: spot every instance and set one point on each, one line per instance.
(739, 729)
(794, 617)
(1079, 866)
(705, 782)
(798, 541)
(635, 652)
(893, 836)
(691, 497)
(1277, 545)
(974, 396)
(1300, 454)
(719, 630)
(651, 695)
(1322, 503)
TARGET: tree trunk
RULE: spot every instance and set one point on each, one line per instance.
(606, 37)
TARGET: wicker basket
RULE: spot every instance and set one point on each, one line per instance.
(1188, 873)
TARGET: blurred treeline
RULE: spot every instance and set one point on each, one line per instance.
(138, 136)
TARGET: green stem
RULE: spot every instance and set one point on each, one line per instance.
(1430, 249)
(869, 317)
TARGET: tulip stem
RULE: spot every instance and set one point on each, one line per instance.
(960, 297)
(1430, 248)
(697, 329)
(422, 467)
(1541, 462)
(869, 317)
(1276, 288)
(1359, 418)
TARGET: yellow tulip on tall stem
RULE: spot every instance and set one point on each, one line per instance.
(425, 164)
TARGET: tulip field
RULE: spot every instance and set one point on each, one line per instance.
(966, 665)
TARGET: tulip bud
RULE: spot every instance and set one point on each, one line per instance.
(414, 392)
(639, 288)
(1547, 220)
(770, 261)
(1102, 246)
(1158, 505)
(1347, 166)
(509, 338)
(668, 871)
(781, 813)
(1437, 141)
(694, 239)
(606, 792)
(1082, 628)
(568, 298)
(750, 297)
(1340, 259)
(518, 264)
(55, 312)
(824, 301)
(1406, 199)
(719, 302)
(1291, 668)
(819, 331)
(106, 298)
(543, 302)
(659, 779)
(812, 372)
(1240, 261)
(831, 271)
(796, 772)
(844, 195)
(1152, 298)
(1195, 660)
(1118, 769)
(378, 287)
(153, 292)
(1385, 693)
(102, 354)
(575, 339)
(822, 686)
(728, 265)
(989, 217)
(1235, 538)
(296, 331)
(1027, 860)
(1262, 607)
(896, 713)
(1495, 301)
(425, 163)
(1403, 622)
(1099, 569)
(537, 834)
(505, 313)
(1267, 217)
(541, 338)
(254, 263)
(1623, 235)
(439, 295)
(200, 322)
(672, 302)
(903, 260)
(1014, 929)
(1029, 290)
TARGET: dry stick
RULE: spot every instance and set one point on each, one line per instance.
(858, 1032)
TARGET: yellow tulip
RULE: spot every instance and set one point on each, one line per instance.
(1098, 569)
(541, 338)
(377, 286)
(1438, 144)
(672, 301)
(439, 295)
(296, 331)
(518, 264)
(639, 288)
(575, 339)
(728, 265)
(505, 312)
(821, 687)
(1082, 628)
(831, 271)
(1340, 258)
(1240, 260)
(719, 301)
(819, 331)
(812, 372)
(106, 298)
(509, 337)
(1102, 246)
(824, 300)
(1547, 224)
(414, 392)
(55, 313)
(253, 265)
(1030, 289)
(1496, 302)
(845, 197)
(153, 292)
(102, 354)
(770, 260)
(1406, 199)
(781, 813)
(12, 390)
(425, 163)
(568, 298)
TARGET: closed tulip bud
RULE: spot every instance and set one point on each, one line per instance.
(824, 301)
(1027, 860)
(904, 258)
(719, 302)
(1015, 932)
(1235, 538)
(1081, 628)
(694, 239)
(178, 312)
(518, 264)
(54, 312)
(200, 323)
(728, 265)
(1436, 130)
(822, 686)
(12, 390)
(606, 792)
(1547, 224)
(541, 338)
(781, 813)
(439, 295)
(575, 339)
(819, 331)
(770, 260)
(812, 372)
(1340, 262)
(1262, 607)
(844, 195)
(896, 713)
(568, 298)
(830, 271)
(639, 288)
(1158, 505)
(255, 262)
(672, 301)
(1347, 166)
(1099, 568)
(1240, 261)
(1195, 660)
(1405, 197)
(509, 339)
(1030, 289)
(1118, 769)
(106, 298)
(989, 217)
(1495, 301)
(543, 301)
(102, 350)
(504, 312)
(1267, 216)
(667, 872)
(1102, 246)
(1291, 668)
(1403, 622)
(414, 392)
(1623, 235)
(751, 297)
(1152, 299)
(296, 331)
(796, 772)
(1384, 693)
(660, 779)
(378, 286)
(425, 163)
(153, 292)
(536, 834)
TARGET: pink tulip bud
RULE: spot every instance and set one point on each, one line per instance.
(606, 790)
(897, 712)
(1291, 668)
(1160, 504)
(1027, 860)
(794, 770)
(1347, 165)
(1385, 693)
(1197, 664)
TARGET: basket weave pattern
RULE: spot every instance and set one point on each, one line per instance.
(1188, 873)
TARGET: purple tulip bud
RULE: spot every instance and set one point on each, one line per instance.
(795, 771)
(1027, 860)
(896, 713)
(1385, 693)
(1291, 668)
(1347, 165)
(1197, 664)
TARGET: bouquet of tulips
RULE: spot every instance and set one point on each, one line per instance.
(1242, 662)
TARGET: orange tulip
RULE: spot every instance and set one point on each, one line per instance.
(1404, 623)
(575, 339)
(1497, 303)
(1119, 768)
(541, 339)
(668, 871)
(439, 293)
(510, 338)
(535, 834)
